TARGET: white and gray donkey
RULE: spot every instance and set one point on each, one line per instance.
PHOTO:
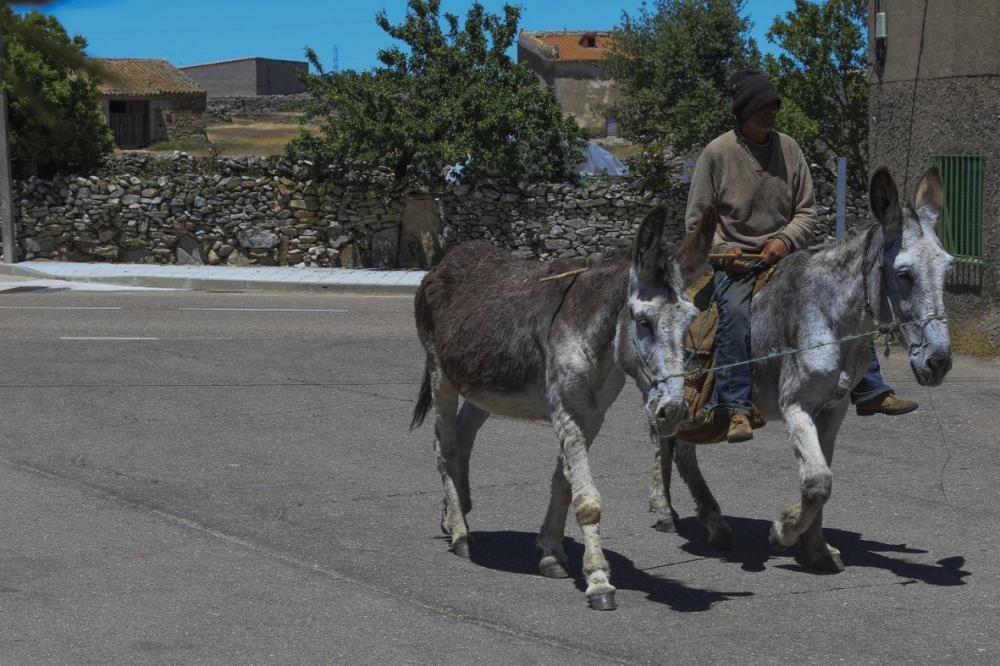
(889, 275)
(516, 344)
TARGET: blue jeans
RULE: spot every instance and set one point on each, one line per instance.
(733, 386)
(871, 385)
(732, 342)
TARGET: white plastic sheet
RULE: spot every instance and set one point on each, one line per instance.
(597, 160)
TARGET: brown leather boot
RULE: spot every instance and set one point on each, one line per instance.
(888, 404)
(739, 428)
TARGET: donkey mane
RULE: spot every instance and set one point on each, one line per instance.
(826, 280)
(862, 248)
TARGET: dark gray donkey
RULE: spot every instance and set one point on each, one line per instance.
(525, 340)
(890, 275)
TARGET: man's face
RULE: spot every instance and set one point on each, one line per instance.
(761, 120)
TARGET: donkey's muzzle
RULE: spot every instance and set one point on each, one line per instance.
(930, 360)
(931, 367)
(666, 407)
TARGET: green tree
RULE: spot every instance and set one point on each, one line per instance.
(674, 63)
(54, 116)
(448, 94)
(821, 73)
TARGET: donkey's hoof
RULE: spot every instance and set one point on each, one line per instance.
(721, 537)
(461, 547)
(552, 568)
(774, 542)
(826, 563)
(603, 602)
(665, 525)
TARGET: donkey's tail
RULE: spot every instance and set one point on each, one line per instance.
(424, 401)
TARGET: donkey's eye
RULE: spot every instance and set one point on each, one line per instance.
(645, 326)
(904, 275)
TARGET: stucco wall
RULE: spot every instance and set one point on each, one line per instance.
(588, 100)
(952, 108)
(582, 88)
(959, 38)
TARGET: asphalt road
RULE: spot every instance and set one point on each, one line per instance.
(236, 483)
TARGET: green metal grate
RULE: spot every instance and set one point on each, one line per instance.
(961, 228)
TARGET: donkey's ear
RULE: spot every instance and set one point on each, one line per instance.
(930, 191)
(883, 197)
(692, 255)
(646, 254)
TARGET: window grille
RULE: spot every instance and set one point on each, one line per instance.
(961, 227)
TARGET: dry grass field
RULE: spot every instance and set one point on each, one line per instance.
(244, 136)
(268, 134)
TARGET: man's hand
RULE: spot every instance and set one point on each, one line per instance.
(775, 250)
(735, 263)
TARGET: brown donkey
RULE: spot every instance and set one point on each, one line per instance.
(514, 343)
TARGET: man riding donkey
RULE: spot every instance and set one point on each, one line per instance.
(759, 181)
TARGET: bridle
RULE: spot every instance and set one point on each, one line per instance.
(657, 384)
(895, 325)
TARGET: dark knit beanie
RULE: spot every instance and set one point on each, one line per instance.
(751, 92)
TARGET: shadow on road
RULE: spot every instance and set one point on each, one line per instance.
(752, 552)
(516, 552)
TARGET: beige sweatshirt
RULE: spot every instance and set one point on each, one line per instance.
(758, 197)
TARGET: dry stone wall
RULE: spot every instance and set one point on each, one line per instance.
(222, 109)
(555, 220)
(251, 211)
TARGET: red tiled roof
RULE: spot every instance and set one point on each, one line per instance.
(143, 76)
(574, 45)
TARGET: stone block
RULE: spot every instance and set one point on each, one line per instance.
(350, 256)
(385, 248)
(260, 240)
(237, 258)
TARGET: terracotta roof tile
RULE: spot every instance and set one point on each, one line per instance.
(565, 46)
(143, 76)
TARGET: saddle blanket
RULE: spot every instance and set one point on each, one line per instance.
(704, 426)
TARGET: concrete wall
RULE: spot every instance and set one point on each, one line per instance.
(951, 106)
(248, 77)
(280, 77)
(225, 79)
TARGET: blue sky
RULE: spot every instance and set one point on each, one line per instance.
(188, 32)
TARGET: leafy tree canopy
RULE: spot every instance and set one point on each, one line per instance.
(674, 62)
(821, 70)
(55, 119)
(448, 94)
